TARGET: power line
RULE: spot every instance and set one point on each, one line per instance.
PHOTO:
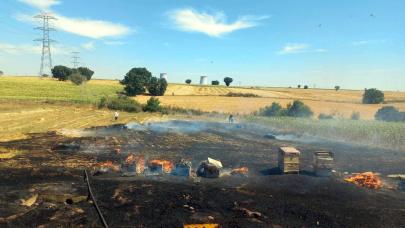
(75, 59)
(46, 58)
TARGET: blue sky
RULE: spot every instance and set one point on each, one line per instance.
(355, 44)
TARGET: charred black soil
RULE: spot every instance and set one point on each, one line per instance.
(51, 166)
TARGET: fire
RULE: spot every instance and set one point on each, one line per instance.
(241, 170)
(109, 164)
(167, 165)
(367, 179)
(138, 161)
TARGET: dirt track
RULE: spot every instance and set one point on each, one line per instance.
(166, 201)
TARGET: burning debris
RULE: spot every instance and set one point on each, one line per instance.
(107, 166)
(366, 179)
(160, 166)
(134, 164)
(242, 171)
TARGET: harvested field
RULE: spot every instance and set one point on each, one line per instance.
(52, 169)
(18, 119)
(247, 105)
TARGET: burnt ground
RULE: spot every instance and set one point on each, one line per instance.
(52, 167)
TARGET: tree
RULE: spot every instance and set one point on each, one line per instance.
(299, 86)
(274, 110)
(157, 87)
(152, 105)
(77, 78)
(85, 72)
(305, 87)
(215, 82)
(136, 80)
(373, 96)
(1, 73)
(299, 109)
(389, 113)
(228, 81)
(337, 88)
(188, 81)
(61, 72)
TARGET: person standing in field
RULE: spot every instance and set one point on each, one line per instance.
(116, 115)
(231, 120)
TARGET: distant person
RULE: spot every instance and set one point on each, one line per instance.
(116, 115)
(231, 120)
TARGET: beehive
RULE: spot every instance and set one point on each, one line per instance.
(323, 163)
(289, 160)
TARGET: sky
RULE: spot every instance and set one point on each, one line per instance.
(354, 44)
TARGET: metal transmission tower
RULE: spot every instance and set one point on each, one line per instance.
(75, 59)
(46, 58)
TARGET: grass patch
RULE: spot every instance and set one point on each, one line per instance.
(45, 89)
(372, 133)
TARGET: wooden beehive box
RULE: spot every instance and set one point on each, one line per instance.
(323, 163)
(289, 160)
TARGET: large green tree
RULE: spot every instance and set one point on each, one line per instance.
(85, 72)
(373, 96)
(157, 87)
(136, 80)
(62, 73)
(228, 81)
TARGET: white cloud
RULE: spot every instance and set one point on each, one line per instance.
(366, 42)
(95, 29)
(294, 48)
(213, 25)
(88, 45)
(41, 4)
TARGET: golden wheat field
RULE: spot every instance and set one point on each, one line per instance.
(212, 98)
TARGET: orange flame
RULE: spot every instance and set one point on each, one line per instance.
(138, 161)
(241, 170)
(109, 164)
(367, 179)
(167, 165)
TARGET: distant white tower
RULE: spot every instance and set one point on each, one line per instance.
(163, 75)
(204, 80)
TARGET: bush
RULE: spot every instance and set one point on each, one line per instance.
(299, 109)
(389, 113)
(296, 109)
(188, 81)
(136, 80)
(355, 116)
(85, 72)
(231, 94)
(305, 87)
(373, 96)
(62, 73)
(122, 103)
(77, 78)
(215, 82)
(323, 116)
(153, 105)
(274, 110)
(157, 87)
(228, 81)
